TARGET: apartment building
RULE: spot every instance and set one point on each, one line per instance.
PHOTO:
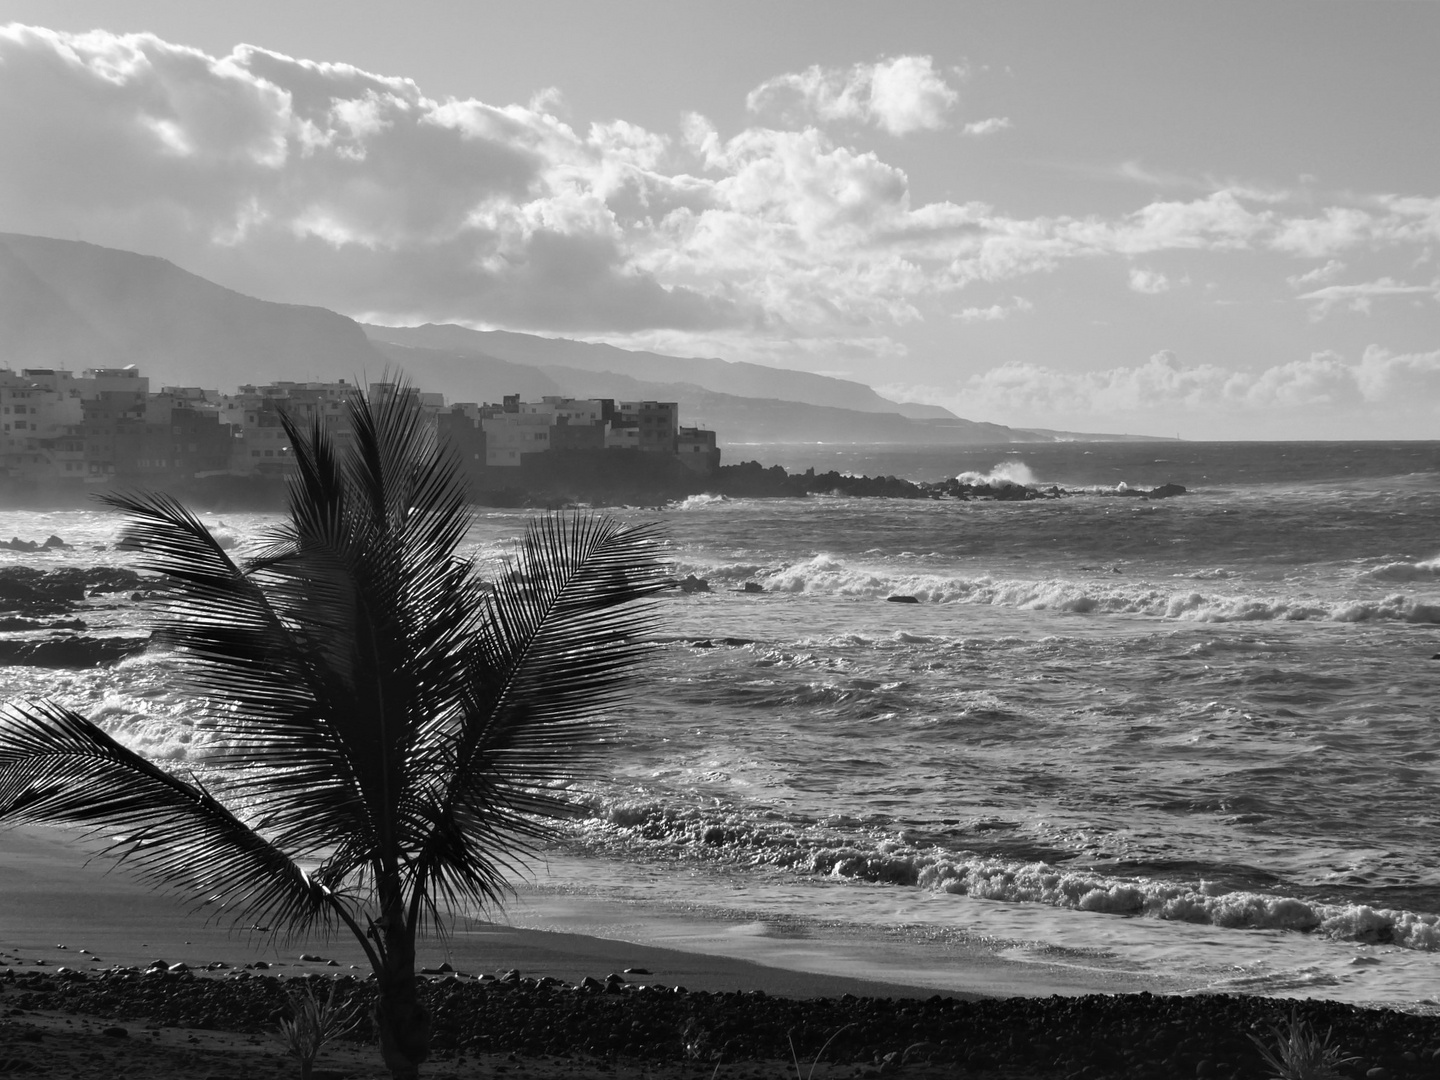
(104, 425)
(41, 426)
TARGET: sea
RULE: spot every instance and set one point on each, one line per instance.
(1190, 744)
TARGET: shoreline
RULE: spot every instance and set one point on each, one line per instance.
(540, 1003)
(105, 918)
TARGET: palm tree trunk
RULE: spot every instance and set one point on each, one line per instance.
(401, 1019)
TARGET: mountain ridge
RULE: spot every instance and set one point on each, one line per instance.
(739, 377)
(70, 303)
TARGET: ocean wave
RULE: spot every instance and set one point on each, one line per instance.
(695, 502)
(1202, 902)
(718, 834)
(1015, 473)
(828, 575)
(1428, 570)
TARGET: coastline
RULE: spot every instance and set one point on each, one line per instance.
(50, 897)
(543, 1018)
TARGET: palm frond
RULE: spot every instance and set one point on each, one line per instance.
(259, 667)
(392, 713)
(565, 634)
(57, 768)
(324, 650)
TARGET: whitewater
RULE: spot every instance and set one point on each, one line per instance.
(1191, 740)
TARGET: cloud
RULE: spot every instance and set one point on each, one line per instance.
(1148, 281)
(988, 126)
(1379, 379)
(323, 183)
(993, 313)
(899, 95)
(1317, 275)
(354, 190)
(1361, 297)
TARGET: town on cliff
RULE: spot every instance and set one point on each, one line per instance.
(64, 435)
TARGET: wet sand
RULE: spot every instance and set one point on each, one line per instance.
(51, 896)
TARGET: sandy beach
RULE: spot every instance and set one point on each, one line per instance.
(52, 893)
(68, 1009)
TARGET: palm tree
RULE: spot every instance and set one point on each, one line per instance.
(388, 718)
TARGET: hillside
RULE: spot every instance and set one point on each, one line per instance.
(478, 377)
(77, 305)
(725, 376)
(69, 304)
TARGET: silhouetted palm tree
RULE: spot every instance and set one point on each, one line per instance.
(385, 713)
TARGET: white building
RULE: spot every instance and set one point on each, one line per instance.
(41, 433)
(511, 434)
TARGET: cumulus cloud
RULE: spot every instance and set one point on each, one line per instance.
(900, 95)
(988, 126)
(323, 183)
(1148, 281)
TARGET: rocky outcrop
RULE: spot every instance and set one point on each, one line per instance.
(52, 543)
(32, 591)
(70, 651)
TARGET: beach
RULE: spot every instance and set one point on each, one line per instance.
(84, 952)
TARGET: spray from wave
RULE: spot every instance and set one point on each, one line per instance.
(1007, 472)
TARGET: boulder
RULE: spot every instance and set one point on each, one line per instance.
(1165, 491)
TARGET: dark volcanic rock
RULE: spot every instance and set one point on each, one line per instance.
(1121, 1035)
(1165, 491)
(32, 591)
(70, 651)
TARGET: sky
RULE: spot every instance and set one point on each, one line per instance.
(1212, 220)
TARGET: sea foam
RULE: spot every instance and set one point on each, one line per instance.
(721, 835)
(1428, 570)
(827, 574)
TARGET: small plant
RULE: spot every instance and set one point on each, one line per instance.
(314, 1024)
(695, 1040)
(1297, 1053)
(796, 1057)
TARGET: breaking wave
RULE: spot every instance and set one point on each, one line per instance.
(825, 574)
(1007, 472)
(718, 835)
(1428, 570)
(694, 502)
